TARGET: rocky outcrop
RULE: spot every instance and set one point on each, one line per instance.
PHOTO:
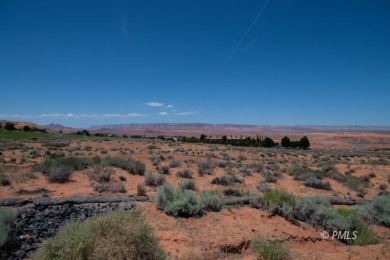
(41, 220)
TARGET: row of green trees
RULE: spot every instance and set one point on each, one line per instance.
(11, 127)
(303, 143)
(259, 141)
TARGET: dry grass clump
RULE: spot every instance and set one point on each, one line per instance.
(118, 235)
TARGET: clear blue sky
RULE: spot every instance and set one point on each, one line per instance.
(81, 63)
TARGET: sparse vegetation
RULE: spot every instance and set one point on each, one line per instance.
(187, 185)
(154, 179)
(118, 235)
(210, 201)
(269, 250)
(186, 173)
(178, 203)
(205, 168)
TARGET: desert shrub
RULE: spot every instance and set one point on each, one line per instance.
(187, 185)
(154, 179)
(365, 236)
(118, 235)
(280, 202)
(165, 194)
(346, 212)
(74, 163)
(234, 193)
(187, 173)
(227, 179)
(377, 210)
(141, 191)
(205, 167)
(244, 171)
(308, 209)
(210, 201)
(101, 173)
(59, 174)
(4, 179)
(335, 221)
(263, 188)
(314, 182)
(7, 216)
(174, 164)
(270, 177)
(164, 169)
(131, 166)
(178, 203)
(269, 250)
(256, 166)
(383, 187)
(222, 164)
(116, 187)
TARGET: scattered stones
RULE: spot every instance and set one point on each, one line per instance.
(37, 223)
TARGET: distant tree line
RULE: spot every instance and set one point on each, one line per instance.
(9, 126)
(259, 141)
(303, 143)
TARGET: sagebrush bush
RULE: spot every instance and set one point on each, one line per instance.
(205, 167)
(174, 164)
(74, 163)
(178, 203)
(154, 179)
(164, 169)
(377, 210)
(226, 180)
(118, 235)
(59, 174)
(187, 185)
(269, 250)
(234, 192)
(131, 166)
(186, 173)
(101, 173)
(318, 212)
(210, 201)
(280, 202)
(7, 216)
(314, 182)
(306, 209)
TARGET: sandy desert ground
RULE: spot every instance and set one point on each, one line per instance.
(226, 234)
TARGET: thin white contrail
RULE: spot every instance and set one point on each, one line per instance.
(249, 29)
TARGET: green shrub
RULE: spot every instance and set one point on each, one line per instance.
(279, 202)
(377, 211)
(131, 166)
(6, 218)
(154, 179)
(164, 169)
(269, 250)
(116, 187)
(205, 167)
(226, 180)
(118, 235)
(346, 212)
(174, 164)
(101, 173)
(210, 201)
(315, 183)
(59, 174)
(308, 209)
(178, 203)
(187, 173)
(187, 185)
